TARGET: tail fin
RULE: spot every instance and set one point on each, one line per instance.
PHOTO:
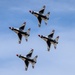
(35, 60)
(56, 39)
(28, 31)
(47, 15)
(28, 34)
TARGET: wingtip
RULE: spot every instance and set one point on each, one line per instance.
(29, 29)
(25, 69)
(48, 12)
(32, 49)
(19, 42)
(24, 23)
(26, 40)
(48, 49)
(44, 6)
(57, 36)
(55, 47)
(53, 30)
(36, 56)
(39, 25)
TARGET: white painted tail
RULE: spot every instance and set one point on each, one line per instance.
(28, 32)
(35, 60)
(47, 15)
(56, 40)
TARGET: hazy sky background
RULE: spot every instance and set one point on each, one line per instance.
(56, 62)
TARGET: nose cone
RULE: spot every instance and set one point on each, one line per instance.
(9, 27)
(39, 35)
(30, 11)
(16, 54)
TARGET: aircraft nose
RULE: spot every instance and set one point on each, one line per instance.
(9, 27)
(39, 35)
(16, 54)
(30, 11)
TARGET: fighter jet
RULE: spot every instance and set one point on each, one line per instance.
(20, 32)
(49, 40)
(28, 59)
(40, 15)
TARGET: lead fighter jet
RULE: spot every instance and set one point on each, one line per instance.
(49, 40)
(28, 60)
(20, 32)
(41, 16)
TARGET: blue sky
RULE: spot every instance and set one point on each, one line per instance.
(56, 62)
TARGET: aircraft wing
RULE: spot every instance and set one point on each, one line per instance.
(26, 64)
(39, 21)
(23, 26)
(20, 37)
(42, 10)
(29, 54)
(48, 45)
(51, 34)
